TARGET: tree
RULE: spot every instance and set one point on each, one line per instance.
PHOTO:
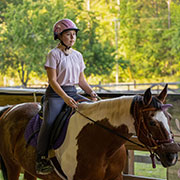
(144, 38)
(148, 45)
(27, 36)
(93, 39)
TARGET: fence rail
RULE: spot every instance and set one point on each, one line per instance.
(132, 87)
(174, 87)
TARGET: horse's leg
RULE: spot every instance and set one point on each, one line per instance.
(119, 177)
(116, 165)
(13, 170)
(10, 169)
(28, 176)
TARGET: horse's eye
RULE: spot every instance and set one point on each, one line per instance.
(152, 123)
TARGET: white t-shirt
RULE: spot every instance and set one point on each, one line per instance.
(68, 68)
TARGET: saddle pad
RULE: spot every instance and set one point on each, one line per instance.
(32, 131)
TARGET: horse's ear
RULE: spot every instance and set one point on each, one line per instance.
(147, 97)
(162, 96)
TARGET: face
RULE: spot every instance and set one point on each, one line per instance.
(152, 126)
(68, 37)
(160, 130)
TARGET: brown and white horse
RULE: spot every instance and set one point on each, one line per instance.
(94, 144)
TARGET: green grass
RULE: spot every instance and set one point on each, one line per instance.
(145, 169)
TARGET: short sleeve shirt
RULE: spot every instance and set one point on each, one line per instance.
(68, 68)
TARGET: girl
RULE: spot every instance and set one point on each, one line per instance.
(64, 67)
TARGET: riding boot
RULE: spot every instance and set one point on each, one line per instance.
(43, 165)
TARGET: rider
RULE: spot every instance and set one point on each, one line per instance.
(64, 67)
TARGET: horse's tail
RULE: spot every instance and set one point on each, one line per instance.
(3, 169)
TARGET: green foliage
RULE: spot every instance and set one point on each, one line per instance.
(27, 37)
(149, 40)
(147, 47)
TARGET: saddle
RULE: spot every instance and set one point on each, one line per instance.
(58, 130)
(60, 123)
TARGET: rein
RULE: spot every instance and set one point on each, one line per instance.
(110, 130)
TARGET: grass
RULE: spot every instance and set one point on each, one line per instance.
(146, 170)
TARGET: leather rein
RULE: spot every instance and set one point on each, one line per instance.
(110, 130)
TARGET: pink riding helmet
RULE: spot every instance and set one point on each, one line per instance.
(64, 25)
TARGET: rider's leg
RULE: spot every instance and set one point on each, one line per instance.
(52, 107)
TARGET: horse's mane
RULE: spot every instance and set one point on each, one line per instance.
(88, 105)
(121, 103)
(116, 110)
(3, 109)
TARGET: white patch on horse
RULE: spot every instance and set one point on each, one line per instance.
(160, 116)
(67, 153)
(117, 110)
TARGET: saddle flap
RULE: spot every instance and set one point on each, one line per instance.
(60, 125)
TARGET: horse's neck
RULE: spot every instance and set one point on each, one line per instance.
(116, 110)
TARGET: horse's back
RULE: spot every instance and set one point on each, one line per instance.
(20, 111)
(13, 122)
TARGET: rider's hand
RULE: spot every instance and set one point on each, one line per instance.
(70, 101)
(93, 96)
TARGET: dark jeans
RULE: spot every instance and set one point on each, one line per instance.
(52, 106)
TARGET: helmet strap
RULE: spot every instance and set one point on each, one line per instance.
(66, 47)
(67, 50)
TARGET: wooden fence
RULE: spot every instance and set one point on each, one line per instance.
(132, 87)
(173, 87)
(15, 96)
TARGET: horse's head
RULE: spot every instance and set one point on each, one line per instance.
(152, 126)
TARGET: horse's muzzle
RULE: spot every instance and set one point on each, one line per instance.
(170, 147)
(168, 153)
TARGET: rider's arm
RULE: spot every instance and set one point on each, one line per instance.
(86, 87)
(51, 73)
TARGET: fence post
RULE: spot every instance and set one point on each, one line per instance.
(157, 89)
(128, 87)
(99, 86)
(34, 95)
(129, 169)
(134, 84)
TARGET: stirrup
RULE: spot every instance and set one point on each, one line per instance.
(43, 166)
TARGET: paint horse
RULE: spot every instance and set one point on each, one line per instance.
(93, 148)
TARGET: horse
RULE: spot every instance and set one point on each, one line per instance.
(94, 146)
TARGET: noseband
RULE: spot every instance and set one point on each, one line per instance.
(138, 110)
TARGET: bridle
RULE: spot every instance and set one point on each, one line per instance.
(154, 143)
(141, 128)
